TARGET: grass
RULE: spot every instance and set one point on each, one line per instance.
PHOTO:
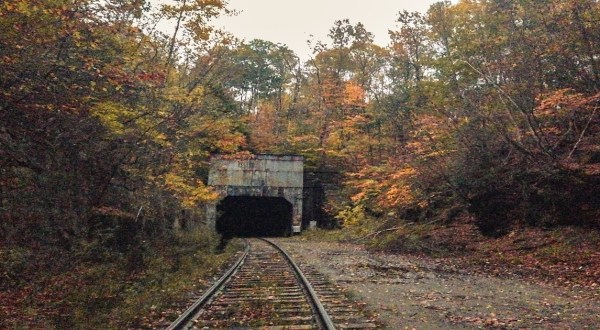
(318, 234)
(109, 294)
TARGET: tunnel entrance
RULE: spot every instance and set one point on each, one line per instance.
(246, 216)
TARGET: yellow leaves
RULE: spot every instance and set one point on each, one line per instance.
(345, 95)
(120, 119)
(18, 6)
(179, 94)
(437, 153)
(112, 115)
(216, 3)
(429, 124)
(216, 133)
(403, 173)
(201, 135)
(304, 139)
(188, 189)
(433, 137)
(352, 216)
(354, 123)
(161, 139)
(194, 15)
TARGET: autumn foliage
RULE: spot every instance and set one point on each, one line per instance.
(484, 110)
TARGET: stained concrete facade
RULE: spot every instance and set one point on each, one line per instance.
(258, 176)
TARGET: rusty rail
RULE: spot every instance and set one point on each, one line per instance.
(266, 288)
(323, 316)
(184, 319)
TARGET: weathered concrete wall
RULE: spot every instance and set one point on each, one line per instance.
(259, 175)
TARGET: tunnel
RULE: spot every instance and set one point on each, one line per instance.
(245, 216)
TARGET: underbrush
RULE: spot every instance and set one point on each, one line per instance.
(409, 238)
(567, 256)
(319, 234)
(135, 289)
(387, 233)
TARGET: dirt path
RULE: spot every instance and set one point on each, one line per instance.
(409, 292)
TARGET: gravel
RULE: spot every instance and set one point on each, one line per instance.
(409, 292)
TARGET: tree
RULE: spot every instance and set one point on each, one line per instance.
(96, 114)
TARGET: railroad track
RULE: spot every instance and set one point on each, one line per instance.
(265, 289)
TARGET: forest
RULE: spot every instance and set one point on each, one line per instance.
(477, 111)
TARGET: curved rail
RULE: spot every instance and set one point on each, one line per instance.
(324, 318)
(189, 314)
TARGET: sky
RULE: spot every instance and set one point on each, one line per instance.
(292, 22)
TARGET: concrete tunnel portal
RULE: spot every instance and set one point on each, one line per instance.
(260, 195)
(248, 216)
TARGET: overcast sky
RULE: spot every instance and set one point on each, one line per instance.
(291, 22)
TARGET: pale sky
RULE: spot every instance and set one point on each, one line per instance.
(291, 22)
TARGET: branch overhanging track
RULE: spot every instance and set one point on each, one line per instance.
(266, 289)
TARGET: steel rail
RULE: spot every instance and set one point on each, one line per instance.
(191, 312)
(324, 319)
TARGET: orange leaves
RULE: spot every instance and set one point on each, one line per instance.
(569, 121)
(343, 96)
(557, 102)
(387, 186)
(431, 139)
(354, 95)
(241, 155)
(231, 142)
(332, 92)
(264, 127)
(361, 195)
(19, 6)
(430, 126)
(397, 196)
(563, 101)
(403, 173)
(398, 191)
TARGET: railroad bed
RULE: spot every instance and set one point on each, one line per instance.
(265, 289)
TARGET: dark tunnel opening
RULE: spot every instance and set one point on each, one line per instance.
(245, 216)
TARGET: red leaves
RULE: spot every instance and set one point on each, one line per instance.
(154, 79)
(566, 257)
